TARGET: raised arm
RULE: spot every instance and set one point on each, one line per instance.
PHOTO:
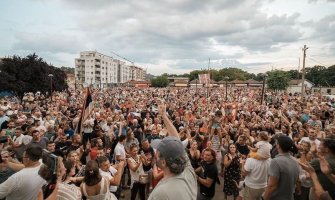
(167, 122)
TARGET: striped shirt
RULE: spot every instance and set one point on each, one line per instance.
(68, 192)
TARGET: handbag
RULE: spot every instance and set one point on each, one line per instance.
(144, 179)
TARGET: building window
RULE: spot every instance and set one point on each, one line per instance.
(91, 72)
(329, 91)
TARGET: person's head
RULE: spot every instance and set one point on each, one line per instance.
(32, 154)
(5, 154)
(11, 124)
(18, 131)
(263, 135)
(36, 135)
(100, 152)
(121, 139)
(170, 155)
(209, 155)
(76, 139)
(312, 134)
(100, 142)
(284, 144)
(51, 146)
(92, 174)
(232, 148)
(209, 144)
(104, 163)
(70, 168)
(327, 146)
(133, 149)
(194, 145)
(145, 144)
(305, 146)
(73, 157)
(30, 120)
(241, 140)
(130, 134)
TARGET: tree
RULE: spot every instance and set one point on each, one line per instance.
(318, 75)
(30, 74)
(160, 81)
(294, 74)
(277, 80)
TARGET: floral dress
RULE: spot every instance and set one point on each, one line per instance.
(232, 173)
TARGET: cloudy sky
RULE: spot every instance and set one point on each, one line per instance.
(173, 36)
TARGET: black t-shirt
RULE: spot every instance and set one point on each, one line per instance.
(243, 149)
(210, 171)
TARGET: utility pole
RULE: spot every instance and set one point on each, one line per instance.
(209, 77)
(303, 72)
(298, 69)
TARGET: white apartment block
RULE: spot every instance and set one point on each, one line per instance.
(99, 70)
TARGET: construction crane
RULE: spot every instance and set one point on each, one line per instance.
(122, 57)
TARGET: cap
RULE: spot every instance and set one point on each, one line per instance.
(171, 147)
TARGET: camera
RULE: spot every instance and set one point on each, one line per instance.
(3, 139)
(51, 161)
(50, 174)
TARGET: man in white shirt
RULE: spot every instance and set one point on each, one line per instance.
(311, 138)
(119, 151)
(111, 173)
(17, 139)
(256, 177)
(26, 183)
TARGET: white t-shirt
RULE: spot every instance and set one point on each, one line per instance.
(119, 151)
(24, 184)
(258, 173)
(18, 140)
(109, 175)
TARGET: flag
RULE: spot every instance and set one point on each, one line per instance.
(203, 78)
(85, 111)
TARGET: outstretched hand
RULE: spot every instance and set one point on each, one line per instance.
(162, 109)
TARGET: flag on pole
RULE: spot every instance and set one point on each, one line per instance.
(203, 78)
(85, 111)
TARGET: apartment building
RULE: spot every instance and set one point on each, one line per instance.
(99, 70)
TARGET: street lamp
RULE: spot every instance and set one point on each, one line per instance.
(263, 87)
(51, 75)
(226, 79)
(196, 86)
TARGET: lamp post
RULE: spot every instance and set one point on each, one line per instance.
(263, 87)
(50, 76)
(196, 86)
(226, 79)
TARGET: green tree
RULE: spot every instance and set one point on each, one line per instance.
(293, 74)
(30, 74)
(329, 76)
(318, 75)
(277, 80)
(160, 81)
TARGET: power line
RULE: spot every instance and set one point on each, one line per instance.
(316, 61)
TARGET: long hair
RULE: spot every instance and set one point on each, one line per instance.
(92, 174)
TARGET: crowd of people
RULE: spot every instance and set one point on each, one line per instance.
(167, 143)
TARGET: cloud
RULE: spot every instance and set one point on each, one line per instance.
(175, 35)
(49, 42)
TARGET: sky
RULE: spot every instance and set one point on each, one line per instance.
(173, 36)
